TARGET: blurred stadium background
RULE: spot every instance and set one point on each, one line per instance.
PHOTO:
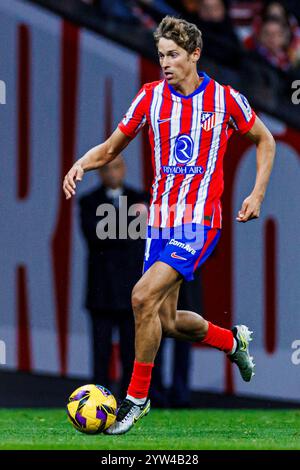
(70, 70)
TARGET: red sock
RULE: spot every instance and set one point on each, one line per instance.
(140, 380)
(219, 338)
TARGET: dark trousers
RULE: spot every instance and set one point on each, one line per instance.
(178, 395)
(103, 323)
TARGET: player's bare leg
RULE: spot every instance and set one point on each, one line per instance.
(186, 325)
(147, 297)
(181, 324)
(154, 301)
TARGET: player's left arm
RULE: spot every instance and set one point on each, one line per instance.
(265, 153)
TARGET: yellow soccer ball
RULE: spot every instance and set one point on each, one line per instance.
(91, 409)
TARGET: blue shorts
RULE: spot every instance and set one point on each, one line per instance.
(184, 248)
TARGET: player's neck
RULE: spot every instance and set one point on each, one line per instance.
(189, 84)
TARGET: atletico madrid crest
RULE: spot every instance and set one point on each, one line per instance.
(208, 120)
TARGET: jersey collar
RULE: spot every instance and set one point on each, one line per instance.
(200, 88)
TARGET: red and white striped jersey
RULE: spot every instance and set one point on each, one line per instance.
(188, 137)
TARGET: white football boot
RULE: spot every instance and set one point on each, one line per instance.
(241, 356)
(128, 414)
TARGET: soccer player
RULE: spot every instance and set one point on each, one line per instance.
(190, 118)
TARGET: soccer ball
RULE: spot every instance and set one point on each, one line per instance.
(91, 409)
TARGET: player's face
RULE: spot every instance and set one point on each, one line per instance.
(176, 63)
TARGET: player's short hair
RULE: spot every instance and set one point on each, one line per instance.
(183, 33)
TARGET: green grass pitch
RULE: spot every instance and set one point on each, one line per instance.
(161, 429)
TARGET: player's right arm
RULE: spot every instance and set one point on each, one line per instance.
(95, 158)
(98, 156)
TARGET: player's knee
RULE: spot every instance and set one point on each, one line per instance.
(137, 300)
(140, 300)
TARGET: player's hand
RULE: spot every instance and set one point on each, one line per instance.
(250, 209)
(69, 184)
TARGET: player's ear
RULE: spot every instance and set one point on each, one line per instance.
(196, 54)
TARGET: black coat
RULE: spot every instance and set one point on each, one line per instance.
(113, 266)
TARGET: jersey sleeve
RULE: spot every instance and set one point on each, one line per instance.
(135, 118)
(242, 116)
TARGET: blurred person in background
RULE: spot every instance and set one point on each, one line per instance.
(212, 10)
(214, 22)
(113, 268)
(272, 42)
(272, 63)
(291, 45)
